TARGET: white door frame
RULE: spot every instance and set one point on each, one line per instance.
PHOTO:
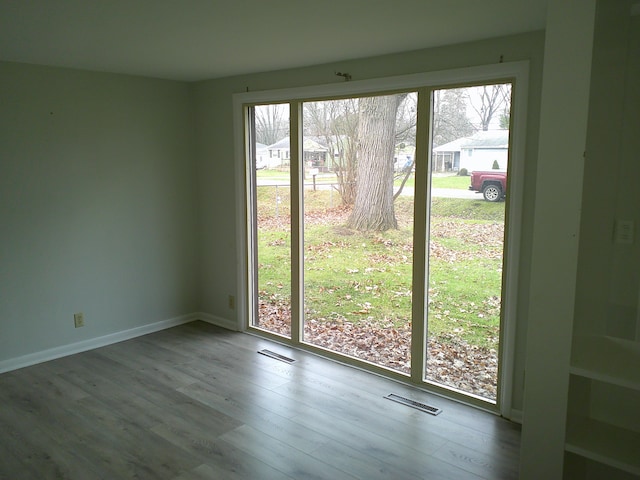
(516, 72)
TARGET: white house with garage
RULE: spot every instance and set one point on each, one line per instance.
(481, 151)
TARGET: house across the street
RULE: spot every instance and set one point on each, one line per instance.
(279, 154)
(477, 152)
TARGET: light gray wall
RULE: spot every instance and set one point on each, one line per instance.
(607, 283)
(214, 117)
(97, 205)
(622, 313)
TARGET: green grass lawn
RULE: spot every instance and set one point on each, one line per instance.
(352, 275)
(439, 181)
(450, 181)
(273, 174)
(471, 210)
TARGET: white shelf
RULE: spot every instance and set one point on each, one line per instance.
(604, 443)
(608, 359)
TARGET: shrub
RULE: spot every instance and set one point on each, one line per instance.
(463, 172)
(496, 166)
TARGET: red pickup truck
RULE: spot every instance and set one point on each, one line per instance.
(492, 184)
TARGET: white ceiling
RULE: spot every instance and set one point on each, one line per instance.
(203, 39)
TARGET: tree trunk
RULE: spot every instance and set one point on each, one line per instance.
(373, 206)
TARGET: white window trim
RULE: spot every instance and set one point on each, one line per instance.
(518, 72)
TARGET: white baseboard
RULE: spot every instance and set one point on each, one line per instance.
(90, 344)
(516, 416)
(218, 321)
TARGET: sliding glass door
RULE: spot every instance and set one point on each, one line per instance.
(365, 240)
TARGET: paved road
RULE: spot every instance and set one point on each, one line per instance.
(436, 192)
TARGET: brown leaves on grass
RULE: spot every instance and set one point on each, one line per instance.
(330, 216)
(485, 234)
(452, 361)
(489, 237)
(455, 363)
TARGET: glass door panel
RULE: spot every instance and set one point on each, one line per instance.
(272, 213)
(466, 237)
(358, 156)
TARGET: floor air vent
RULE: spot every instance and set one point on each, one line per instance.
(275, 355)
(413, 404)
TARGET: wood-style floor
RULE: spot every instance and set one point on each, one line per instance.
(198, 402)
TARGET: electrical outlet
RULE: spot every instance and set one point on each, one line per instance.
(232, 302)
(78, 319)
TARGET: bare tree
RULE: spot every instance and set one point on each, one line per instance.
(406, 119)
(490, 99)
(505, 116)
(402, 175)
(272, 123)
(373, 207)
(335, 123)
(361, 135)
(450, 120)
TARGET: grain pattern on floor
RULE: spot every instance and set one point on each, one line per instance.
(198, 402)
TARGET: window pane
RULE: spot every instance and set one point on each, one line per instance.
(272, 234)
(358, 155)
(470, 136)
